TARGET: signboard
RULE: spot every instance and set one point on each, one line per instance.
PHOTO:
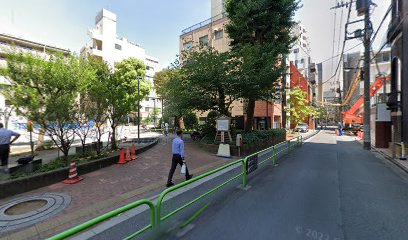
(223, 124)
(222, 137)
(30, 126)
(252, 164)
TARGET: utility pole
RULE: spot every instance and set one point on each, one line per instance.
(367, 58)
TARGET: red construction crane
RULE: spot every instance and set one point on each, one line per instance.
(354, 115)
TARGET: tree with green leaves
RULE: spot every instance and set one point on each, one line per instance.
(123, 91)
(169, 85)
(299, 109)
(260, 33)
(190, 120)
(209, 82)
(94, 103)
(45, 91)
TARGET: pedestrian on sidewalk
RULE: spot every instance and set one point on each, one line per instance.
(340, 129)
(5, 137)
(178, 158)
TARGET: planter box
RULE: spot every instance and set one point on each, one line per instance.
(21, 185)
(246, 149)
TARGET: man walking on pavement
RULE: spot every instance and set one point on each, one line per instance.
(5, 137)
(178, 158)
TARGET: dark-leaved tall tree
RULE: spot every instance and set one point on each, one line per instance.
(260, 32)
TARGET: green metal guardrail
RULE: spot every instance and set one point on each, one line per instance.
(155, 213)
(243, 174)
(178, 186)
(106, 216)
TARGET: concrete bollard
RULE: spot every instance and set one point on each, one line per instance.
(403, 152)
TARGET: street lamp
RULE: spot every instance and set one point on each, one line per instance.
(138, 108)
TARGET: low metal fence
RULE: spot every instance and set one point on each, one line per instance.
(248, 164)
(87, 225)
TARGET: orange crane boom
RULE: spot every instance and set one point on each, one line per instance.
(353, 115)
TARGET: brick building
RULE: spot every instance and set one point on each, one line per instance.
(298, 80)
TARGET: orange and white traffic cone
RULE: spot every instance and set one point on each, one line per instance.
(73, 174)
(128, 158)
(122, 157)
(133, 152)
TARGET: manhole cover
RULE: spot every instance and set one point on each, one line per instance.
(26, 211)
(25, 207)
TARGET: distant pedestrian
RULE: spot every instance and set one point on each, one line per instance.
(177, 158)
(166, 129)
(340, 129)
(5, 137)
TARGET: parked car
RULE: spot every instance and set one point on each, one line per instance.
(302, 127)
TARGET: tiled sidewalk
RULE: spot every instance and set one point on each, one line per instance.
(115, 186)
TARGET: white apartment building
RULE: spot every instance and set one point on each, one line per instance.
(106, 44)
(8, 42)
(300, 52)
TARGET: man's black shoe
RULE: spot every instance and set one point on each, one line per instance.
(189, 177)
(169, 184)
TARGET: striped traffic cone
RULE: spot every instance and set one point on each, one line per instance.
(122, 157)
(73, 174)
(128, 158)
(133, 152)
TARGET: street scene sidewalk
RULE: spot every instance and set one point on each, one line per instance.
(115, 186)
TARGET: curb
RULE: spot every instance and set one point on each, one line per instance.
(392, 160)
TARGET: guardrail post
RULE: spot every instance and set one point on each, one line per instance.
(244, 172)
(274, 155)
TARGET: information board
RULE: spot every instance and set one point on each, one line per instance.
(252, 164)
(222, 125)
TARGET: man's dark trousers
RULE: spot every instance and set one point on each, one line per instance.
(4, 154)
(176, 160)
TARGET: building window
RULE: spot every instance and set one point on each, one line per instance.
(296, 50)
(147, 109)
(187, 46)
(387, 57)
(203, 40)
(302, 60)
(147, 99)
(304, 45)
(219, 34)
(118, 47)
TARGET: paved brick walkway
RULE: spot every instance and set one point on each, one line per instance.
(114, 186)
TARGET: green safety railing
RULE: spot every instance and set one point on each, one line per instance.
(155, 213)
(243, 174)
(178, 186)
(75, 230)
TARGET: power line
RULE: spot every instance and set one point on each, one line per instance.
(344, 45)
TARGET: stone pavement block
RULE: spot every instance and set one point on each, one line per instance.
(112, 187)
(28, 233)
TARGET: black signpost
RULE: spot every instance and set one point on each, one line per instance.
(252, 164)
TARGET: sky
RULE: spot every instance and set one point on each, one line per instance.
(156, 24)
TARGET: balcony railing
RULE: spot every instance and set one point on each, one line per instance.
(204, 23)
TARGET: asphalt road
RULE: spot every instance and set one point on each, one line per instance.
(330, 189)
(326, 190)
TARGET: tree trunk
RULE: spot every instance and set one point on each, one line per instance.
(113, 137)
(221, 103)
(40, 141)
(250, 115)
(98, 140)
